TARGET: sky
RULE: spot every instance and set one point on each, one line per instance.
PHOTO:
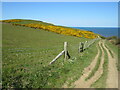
(60, 0)
(73, 14)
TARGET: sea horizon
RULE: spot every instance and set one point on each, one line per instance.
(104, 31)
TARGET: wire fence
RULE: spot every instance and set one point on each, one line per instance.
(82, 46)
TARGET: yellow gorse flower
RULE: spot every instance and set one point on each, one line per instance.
(57, 29)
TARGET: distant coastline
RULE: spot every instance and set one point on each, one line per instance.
(104, 31)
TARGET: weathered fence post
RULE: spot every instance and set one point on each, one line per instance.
(60, 54)
(85, 45)
(65, 49)
(79, 47)
(65, 52)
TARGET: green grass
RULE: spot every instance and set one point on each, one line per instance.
(96, 66)
(101, 82)
(0, 55)
(25, 21)
(27, 53)
(118, 65)
(112, 47)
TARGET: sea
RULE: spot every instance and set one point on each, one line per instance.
(104, 31)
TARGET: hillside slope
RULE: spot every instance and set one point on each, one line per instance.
(28, 51)
(52, 28)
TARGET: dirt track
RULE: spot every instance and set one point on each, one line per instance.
(112, 78)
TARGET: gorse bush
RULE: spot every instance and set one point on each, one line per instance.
(62, 30)
(114, 40)
(58, 29)
(112, 37)
(12, 20)
(118, 41)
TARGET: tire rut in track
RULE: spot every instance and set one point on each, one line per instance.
(81, 83)
(114, 55)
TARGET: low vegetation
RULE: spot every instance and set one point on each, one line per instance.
(116, 51)
(114, 40)
(29, 46)
(28, 51)
(54, 28)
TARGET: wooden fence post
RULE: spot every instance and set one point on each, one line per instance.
(82, 47)
(65, 49)
(79, 47)
(85, 45)
(60, 54)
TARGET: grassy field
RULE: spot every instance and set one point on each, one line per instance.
(27, 53)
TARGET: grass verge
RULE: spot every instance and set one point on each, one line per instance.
(116, 51)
